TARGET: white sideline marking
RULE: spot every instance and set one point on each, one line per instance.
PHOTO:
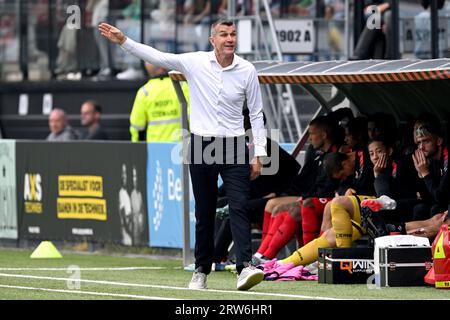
(88, 293)
(85, 269)
(169, 287)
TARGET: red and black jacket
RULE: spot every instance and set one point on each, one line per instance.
(362, 181)
(438, 181)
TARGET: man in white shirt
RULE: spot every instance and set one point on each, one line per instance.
(220, 83)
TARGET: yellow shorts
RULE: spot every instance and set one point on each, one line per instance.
(356, 221)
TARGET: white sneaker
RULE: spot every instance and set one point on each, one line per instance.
(130, 74)
(313, 268)
(259, 259)
(106, 72)
(198, 281)
(190, 267)
(249, 277)
(74, 76)
(381, 203)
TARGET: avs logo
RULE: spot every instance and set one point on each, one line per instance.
(32, 193)
(357, 266)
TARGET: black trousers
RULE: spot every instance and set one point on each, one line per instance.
(223, 235)
(208, 158)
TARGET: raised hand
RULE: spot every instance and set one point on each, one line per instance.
(420, 163)
(112, 33)
(255, 168)
(350, 192)
(380, 165)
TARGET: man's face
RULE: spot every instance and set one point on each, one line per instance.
(371, 129)
(316, 137)
(428, 144)
(347, 170)
(376, 150)
(56, 122)
(88, 115)
(224, 40)
(348, 139)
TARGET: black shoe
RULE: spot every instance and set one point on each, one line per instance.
(373, 223)
(377, 227)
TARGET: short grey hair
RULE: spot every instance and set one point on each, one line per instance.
(219, 22)
(60, 111)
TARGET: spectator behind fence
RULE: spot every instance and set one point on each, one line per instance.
(132, 16)
(90, 119)
(100, 12)
(66, 62)
(422, 29)
(374, 41)
(335, 38)
(60, 130)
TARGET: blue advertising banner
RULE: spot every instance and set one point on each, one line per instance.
(289, 147)
(165, 196)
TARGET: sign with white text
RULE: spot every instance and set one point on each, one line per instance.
(295, 36)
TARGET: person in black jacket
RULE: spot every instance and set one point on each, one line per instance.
(431, 162)
(395, 178)
(354, 170)
(262, 189)
(346, 211)
(90, 119)
(321, 142)
(311, 180)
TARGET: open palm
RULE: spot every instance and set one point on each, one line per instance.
(111, 33)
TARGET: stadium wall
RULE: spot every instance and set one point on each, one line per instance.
(24, 106)
(102, 192)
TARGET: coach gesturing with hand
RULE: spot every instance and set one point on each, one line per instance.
(220, 82)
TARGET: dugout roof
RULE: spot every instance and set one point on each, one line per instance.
(400, 87)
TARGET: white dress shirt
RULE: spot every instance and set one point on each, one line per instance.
(217, 94)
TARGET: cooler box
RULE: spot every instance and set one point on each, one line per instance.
(404, 266)
(345, 265)
(401, 260)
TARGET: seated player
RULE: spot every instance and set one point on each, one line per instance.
(431, 163)
(355, 175)
(348, 220)
(310, 180)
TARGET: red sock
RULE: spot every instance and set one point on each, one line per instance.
(276, 222)
(286, 231)
(311, 221)
(266, 224)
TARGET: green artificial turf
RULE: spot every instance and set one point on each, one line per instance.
(169, 282)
